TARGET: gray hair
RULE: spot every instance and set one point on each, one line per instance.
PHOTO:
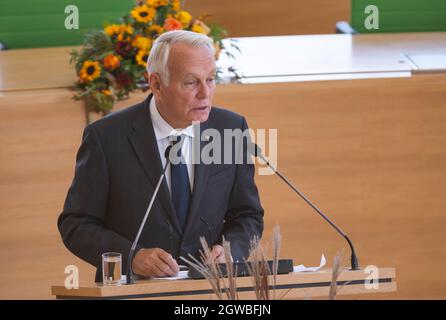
(159, 54)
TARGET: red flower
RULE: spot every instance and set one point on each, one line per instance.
(171, 24)
(123, 80)
(123, 48)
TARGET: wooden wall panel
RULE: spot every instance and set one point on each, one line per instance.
(369, 153)
(263, 17)
(40, 132)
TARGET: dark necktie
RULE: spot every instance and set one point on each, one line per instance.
(181, 193)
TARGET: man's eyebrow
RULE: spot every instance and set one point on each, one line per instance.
(212, 73)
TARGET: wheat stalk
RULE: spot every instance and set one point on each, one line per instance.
(337, 270)
(277, 242)
(257, 265)
(211, 271)
(232, 276)
(259, 270)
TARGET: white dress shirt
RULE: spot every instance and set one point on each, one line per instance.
(162, 132)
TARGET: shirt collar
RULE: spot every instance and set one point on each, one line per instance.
(162, 128)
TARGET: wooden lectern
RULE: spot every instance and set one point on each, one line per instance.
(289, 286)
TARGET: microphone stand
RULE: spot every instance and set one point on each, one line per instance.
(129, 277)
(258, 153)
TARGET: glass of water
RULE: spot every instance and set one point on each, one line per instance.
(111, 268)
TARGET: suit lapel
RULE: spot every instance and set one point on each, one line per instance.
(200, 182)
(144, 143)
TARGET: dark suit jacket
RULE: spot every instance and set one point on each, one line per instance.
(117, 168)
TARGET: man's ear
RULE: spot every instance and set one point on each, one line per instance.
(155, 83)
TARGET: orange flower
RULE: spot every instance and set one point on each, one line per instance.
(111, 62)
(172, 24)
(176, 5)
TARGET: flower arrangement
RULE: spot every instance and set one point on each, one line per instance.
(112, 62)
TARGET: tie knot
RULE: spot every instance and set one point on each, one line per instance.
(176, 139)
(177, 142)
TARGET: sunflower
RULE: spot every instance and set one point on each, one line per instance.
(112, 29)
(125, 33)
(141, 57)
(127, 28)
(157, 3)
(155, 29)
(118, 29)
(184, 17)
(143, 14)
(142, 43)
(90, 70)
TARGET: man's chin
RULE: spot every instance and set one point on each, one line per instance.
(201, 115)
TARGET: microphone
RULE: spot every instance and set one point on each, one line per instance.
(256, 151)
(170, 237)
(130, 279)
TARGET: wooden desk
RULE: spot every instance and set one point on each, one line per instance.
(291, 286)
(36, 69)
(330, 57)
(319, 55)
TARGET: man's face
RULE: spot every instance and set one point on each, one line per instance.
(188, 96)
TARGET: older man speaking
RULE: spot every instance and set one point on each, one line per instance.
(121, 159)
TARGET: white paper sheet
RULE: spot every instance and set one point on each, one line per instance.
(181, 275)
(302, 268)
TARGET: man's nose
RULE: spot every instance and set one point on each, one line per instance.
(204, 91)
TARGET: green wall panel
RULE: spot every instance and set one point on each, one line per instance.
(401, 15)
(41, 23)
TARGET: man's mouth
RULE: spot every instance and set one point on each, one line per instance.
(201, 108)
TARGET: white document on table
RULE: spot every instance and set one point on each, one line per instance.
(302, 268)
(181, 275)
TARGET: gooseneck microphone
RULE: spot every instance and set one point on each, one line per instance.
(256, 151)
(130, 279)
